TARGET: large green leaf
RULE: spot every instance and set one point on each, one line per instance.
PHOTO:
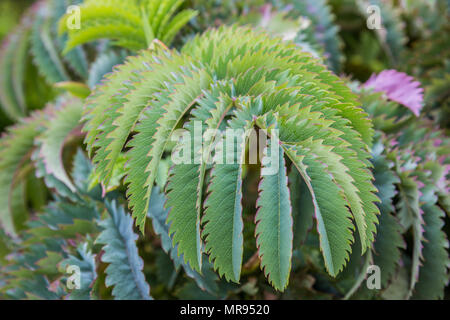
(274, 218)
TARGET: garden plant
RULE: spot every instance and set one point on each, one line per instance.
(208, 149)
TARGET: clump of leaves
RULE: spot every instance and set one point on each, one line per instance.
(344, 195)
(224, 83)
(411, 168)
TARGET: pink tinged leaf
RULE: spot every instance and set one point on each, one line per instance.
(437, 142)
(398, 87)
(420, 185)
(443, 182)
(266, 12)
(393, 142)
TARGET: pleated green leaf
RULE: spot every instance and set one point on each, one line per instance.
(273, 219)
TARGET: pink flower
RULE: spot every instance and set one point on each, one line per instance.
(398, 87)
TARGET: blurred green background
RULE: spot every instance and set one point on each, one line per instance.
(10, 12)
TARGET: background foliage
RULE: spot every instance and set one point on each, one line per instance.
(64, 169)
